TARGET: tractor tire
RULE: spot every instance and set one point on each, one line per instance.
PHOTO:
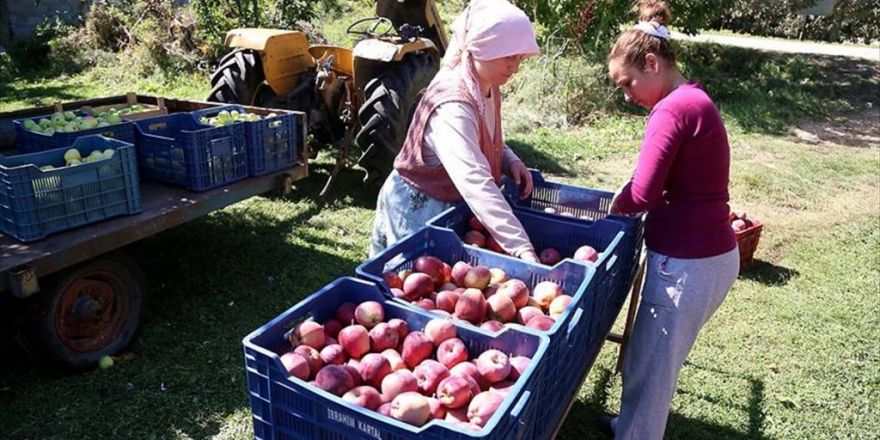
(237, 78)
(390, 100)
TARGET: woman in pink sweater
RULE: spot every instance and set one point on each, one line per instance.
(681, 183)
(455, 149)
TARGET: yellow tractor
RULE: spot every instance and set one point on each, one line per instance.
(366, 94)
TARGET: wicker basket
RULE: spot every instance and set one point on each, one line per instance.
(747, 240)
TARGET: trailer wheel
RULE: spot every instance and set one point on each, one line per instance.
(90, 311)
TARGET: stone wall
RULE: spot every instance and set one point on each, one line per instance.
(19, 18)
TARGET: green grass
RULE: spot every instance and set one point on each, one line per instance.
(792, 353)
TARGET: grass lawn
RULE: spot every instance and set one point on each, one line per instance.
(792, 353)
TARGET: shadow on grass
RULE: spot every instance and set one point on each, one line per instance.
(767, 92)
(535, 158)
(769, 274)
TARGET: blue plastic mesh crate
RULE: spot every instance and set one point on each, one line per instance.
(273, 143)
(35, 203)
(30, 142)
(176, 149)
(285, 407)
(586, 205)
(568, 336)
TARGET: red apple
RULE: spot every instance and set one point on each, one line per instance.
(541, 322)
(477, 278)
(309, 333)
(438, 411)
(369, 313)
(493, 326)
(352, 369)
(545, 292)
(394, 359)
(345, 313)
(738, 225)
(586, 253)
(490, 290)
(426, 304)
(454, 392)
(518, 365)
(432, 266)
(429, 374)
(517, 291)
(403, 274)
(334, 379)
(471, 306)
(483, 406)
(411, 407)
(442, 313)
(397, 383)
(439, 330)
(416, 348)
(459, 271)
(558, 305)
(382, 336)
(468, 368)
(333, 355)
(399, 293)
(365, 396)
(457, 416)
(549, 256)
(501, 308)
(446, 300)
(497, 276)
(526, 313)
(475, 224)
(493, 365)
(355, 340)
(447, 273)
(400, 326)
(312, 356)
(503, 388)
(373, 368)
(385, 409)
(296, 365)
(331, 328)
(452, 352)
(418, 285)
(446, 287)
(474, 238)
(393, 280)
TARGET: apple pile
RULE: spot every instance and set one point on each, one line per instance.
(226, 117)
(412, 376)
(481, 296)
(70, 122)
(72, 158)
(478, 236)
(739, 221)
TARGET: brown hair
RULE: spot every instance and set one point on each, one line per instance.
(633, 44)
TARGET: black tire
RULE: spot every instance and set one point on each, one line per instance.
(237, 78)
(390, 100)
(89, 311)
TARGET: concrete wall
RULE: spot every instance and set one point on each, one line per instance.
(19, 18)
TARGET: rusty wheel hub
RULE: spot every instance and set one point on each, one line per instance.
(92, 311)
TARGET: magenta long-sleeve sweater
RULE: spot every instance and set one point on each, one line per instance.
(682, 176)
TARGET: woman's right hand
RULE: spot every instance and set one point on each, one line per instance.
(529, 256)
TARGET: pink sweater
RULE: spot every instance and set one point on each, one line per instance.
(682, 176)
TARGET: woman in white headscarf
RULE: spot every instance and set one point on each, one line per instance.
(454, 149)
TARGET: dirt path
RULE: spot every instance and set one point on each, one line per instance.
(782, 45)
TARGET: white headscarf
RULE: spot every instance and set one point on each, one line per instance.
(488, 30)
(653, 28)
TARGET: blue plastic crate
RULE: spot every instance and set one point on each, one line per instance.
(273, 142)
(285, 407)
(568, 336)
(585, 205)
(176, 149)
(30, 142)
(546, 231)
(35, 203)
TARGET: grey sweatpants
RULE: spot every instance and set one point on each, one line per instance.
(679, 296)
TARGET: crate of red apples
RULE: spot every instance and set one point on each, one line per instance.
(748, 232)
(347, 362)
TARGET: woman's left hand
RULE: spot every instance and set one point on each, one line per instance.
(523, 178)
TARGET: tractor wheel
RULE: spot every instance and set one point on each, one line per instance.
(237, 78)
(390, 100)
(89, 311)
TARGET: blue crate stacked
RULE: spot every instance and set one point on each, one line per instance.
(285, 407)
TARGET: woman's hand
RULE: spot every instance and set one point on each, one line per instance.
(529, 256)
(523, 178)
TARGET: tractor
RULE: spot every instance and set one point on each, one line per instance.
(366, 94)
